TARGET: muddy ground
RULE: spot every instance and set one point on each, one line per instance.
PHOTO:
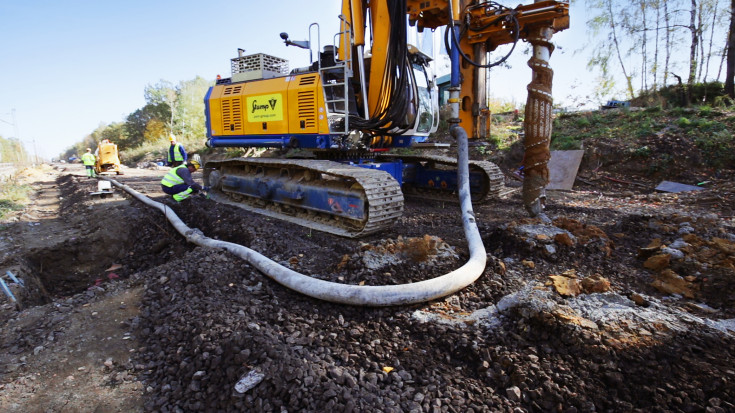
(624, 303)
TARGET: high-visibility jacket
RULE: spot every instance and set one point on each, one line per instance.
(172, 178)
(88, 159)
(177, 152)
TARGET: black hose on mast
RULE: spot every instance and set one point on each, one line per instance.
(389, 118)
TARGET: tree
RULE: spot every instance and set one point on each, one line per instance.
(730, 71)
(155, 130)
(162, 92)
(115, 133)
(631, 37)
(137, 122)
(189, 113)
(694, 31)
(606, 20)
(12, 151)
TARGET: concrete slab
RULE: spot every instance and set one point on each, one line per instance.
(668, 186)
(563, 167)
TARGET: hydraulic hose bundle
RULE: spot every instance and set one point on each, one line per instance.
(504, 13)
(389, 117)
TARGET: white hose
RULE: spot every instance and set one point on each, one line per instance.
(354, 294)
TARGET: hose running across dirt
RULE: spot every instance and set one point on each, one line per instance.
(376, 296)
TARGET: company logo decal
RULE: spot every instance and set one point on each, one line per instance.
(265, 108)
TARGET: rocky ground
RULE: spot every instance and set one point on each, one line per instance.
(625, 302)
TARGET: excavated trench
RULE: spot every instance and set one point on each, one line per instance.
(74, 265)
(93, 245)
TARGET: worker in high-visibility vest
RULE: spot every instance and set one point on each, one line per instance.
(176, 152)
(179, 183)
(88, 160)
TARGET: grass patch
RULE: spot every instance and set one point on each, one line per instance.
(642, 152)
(504, 136)
(642, 135)
(12, 197)
(582, 122)
(684, 122)
(718, 147)
(565, 142)
(644, 129)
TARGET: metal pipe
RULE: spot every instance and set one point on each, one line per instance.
(363, 86)
(7, 291)
(15, 279)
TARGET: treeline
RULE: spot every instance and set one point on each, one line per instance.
(12, 151)
(657, 43)
(169, 108)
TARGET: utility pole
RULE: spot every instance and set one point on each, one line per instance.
(35, 153)
(15, 124)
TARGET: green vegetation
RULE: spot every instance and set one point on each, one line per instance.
(12, 197)
(709, 93)
(719, 146)
(642, 152)
(565, 142)
(148, 151)
(583, 122)
(12, 151)
(663, 137)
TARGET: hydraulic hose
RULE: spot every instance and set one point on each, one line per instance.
(374, 296)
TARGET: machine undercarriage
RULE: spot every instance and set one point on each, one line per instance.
(340, 198)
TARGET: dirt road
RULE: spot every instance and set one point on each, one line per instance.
(625, 303)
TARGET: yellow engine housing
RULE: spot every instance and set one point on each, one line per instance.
(277, 106)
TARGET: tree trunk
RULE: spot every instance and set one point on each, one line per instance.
(684, 99)
(700, 35)
(711, 40)
(644, 51)
(656, 45)
(692, 49)
(667, 19)
(614, 29)
(730, 72)
(723, 57)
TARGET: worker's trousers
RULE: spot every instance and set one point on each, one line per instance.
(179, 192)
(90, 171)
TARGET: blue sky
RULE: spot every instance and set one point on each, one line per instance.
(68, 66)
